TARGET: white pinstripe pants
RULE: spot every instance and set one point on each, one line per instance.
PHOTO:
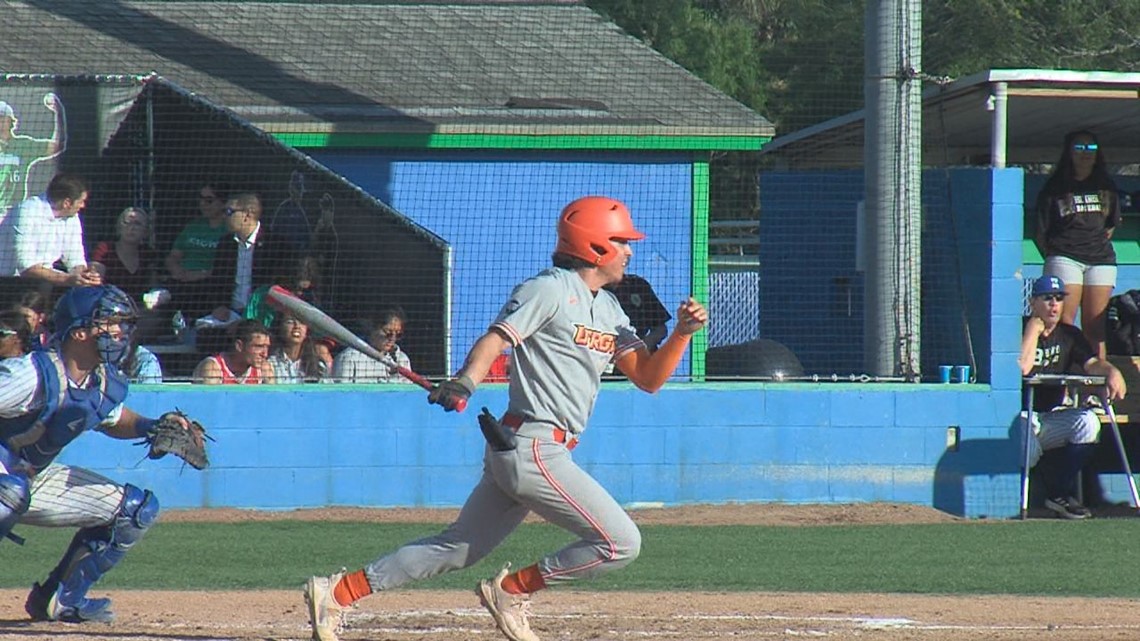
(1060, 427)
(65, 496)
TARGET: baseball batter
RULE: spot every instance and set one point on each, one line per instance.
(47, 399)
(563, 329)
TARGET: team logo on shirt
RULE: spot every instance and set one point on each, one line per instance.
(595, 339)
(1048, 355)
(1081, 204)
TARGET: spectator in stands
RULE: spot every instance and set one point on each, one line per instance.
(34, 305)
(302, 277)
(127, 262)
(142, 366)
(42, 230)
(352, 366)
(247, 259)
(296, 357)
(1051, 346)
(1078, 210)
(646, 313)
(132, 265)
(246, 363)
(15, 334)
(191, 259)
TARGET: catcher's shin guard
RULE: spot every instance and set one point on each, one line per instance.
(96, 550)
(15, 497)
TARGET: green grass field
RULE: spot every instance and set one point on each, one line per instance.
(1092, 558)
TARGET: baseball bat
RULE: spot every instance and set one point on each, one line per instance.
(313, 317)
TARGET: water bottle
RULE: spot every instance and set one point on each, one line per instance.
(178, 324)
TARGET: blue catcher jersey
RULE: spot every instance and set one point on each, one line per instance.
(38, 435)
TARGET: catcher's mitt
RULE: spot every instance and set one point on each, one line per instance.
(170, 436)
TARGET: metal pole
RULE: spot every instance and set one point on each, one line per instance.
(893, 163)
(1000, 125)
(448, 273)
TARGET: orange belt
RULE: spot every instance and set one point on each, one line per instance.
(561, 436)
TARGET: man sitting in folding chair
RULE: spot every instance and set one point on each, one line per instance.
(1049, 346)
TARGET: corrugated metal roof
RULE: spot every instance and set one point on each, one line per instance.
(388, 66)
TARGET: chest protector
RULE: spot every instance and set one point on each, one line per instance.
(38, 437)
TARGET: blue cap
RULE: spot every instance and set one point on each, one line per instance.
(1048, 285)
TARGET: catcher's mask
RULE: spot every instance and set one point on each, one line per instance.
(98, 307)
(587, 226)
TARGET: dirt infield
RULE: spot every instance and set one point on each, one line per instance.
(610, 616)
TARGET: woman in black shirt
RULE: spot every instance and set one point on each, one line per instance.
(1078, 210)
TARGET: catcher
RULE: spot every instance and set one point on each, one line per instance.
(47, 399)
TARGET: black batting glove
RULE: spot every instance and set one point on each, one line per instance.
(452, 394)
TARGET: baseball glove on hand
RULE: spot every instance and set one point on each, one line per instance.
(185, 438)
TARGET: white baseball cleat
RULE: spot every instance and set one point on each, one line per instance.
(326, 616)
(509, 610)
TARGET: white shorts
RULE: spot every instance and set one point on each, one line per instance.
(1074, 272)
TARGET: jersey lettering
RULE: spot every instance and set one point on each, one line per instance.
(1080, 204)
(203, 243)
(1048, 355)
(595, 339)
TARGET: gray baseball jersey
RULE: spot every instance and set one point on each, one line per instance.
(563, 338)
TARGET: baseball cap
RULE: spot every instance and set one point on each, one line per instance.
(6, 110)
(1048, 285)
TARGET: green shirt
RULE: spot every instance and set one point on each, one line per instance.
(197, 243)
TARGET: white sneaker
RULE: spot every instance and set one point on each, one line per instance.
(326, 616)
(509, 610)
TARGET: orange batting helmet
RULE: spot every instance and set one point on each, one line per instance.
(587, 225)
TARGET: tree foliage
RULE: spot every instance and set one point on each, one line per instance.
(718, 48)
(800, 62)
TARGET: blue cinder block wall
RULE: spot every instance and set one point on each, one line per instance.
(307, 446)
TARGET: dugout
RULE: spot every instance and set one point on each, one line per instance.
(996, 118)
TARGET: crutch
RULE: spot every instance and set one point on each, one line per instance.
(1120, 446)
(1026, 434)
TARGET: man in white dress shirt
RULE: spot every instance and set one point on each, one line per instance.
(43, 230)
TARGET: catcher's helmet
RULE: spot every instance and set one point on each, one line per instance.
(587, 225)
(86, 306)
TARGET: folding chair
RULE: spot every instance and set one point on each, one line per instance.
(1031, 382)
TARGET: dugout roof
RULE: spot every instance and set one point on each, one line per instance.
(958, 121)
(496, 66)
